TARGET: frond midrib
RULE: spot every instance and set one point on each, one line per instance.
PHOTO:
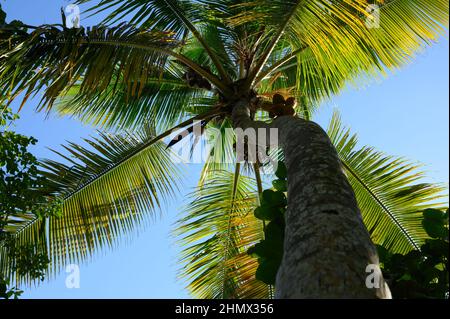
(135, 152)
(381, 204)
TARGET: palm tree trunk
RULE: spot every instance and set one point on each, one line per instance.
(327, 247)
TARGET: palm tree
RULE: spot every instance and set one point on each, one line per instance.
(225, 63)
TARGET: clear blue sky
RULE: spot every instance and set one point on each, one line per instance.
(405, 114)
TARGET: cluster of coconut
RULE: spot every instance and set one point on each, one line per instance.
(194, 80)
(281, 106)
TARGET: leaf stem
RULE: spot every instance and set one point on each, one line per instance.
(262, 61)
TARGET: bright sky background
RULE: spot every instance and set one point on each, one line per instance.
(405, 114)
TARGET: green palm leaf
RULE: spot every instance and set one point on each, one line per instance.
(57, 59)
(149, 13)
(90, 62)
(388, 190)
(28, 231)
(333, 45)
(219, 41)
(178, 16)
(220, 139)
(164, 100)
(217, 228)
(108, 189)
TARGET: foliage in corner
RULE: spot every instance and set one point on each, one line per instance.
(421, 273)
(23, 197)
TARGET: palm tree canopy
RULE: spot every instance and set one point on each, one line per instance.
(311, 47)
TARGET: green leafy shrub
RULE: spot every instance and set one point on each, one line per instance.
(23, 194)
(269, 251)
(421, 273)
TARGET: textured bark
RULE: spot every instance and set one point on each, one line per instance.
(327, 247)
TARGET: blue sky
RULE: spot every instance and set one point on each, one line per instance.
(405, 114)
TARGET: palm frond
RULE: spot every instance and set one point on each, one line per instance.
(108, 190)
(165, 101)
(178, 16)
(150, 13)
(389, 191)
(27, 231)
(286, 19)
(220, 43)
(217, 229)
(219, 144)
(54, 61)
(333, 44)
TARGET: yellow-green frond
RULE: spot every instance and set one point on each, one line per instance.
(109, 190)
(340, 41)
(389, 191)
(217, 229)
(54, 60)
